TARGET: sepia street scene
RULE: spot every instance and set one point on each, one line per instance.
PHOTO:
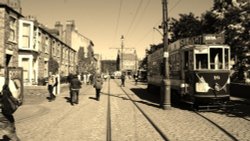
(125, 70)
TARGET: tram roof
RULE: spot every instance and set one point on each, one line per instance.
(198, 41)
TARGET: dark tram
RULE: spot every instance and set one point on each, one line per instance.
(199, 69)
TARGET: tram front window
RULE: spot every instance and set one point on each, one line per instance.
(216, 58)
(201, 61)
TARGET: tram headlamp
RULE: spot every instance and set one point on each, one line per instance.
(202, 87)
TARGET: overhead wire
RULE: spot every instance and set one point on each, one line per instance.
(133, 20)
(143, 12)
(118, 19)
(174, 5)
(157, 23)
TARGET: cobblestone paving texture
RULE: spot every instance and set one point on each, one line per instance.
(40, 120)
(183, 124)
(58, 120)
(127, 122)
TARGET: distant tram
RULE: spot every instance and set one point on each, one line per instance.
(142, 75)
(199, 69)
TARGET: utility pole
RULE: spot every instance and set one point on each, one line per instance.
(122, 46)
(166, 90)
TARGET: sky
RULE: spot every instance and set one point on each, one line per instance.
(105, 21)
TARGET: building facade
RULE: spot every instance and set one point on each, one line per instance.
(10, 12)
(128, 62)
(40, 51)
(77, 41)
(26, 43)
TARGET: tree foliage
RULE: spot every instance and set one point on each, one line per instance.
(187, 25)
(53, 65)
(230, 17)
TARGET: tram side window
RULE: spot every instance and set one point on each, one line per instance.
(227, 58)
(201, 61)
(216, 58)
(186, 60)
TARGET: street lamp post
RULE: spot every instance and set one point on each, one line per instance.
(122, 46)
(166, 90)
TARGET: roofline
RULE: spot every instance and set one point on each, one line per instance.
(10, 8)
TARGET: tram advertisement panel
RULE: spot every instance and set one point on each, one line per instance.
(211, 83)
(155, 62)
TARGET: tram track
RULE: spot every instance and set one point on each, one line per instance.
(157, 129)
(217, 125)
(109, 130)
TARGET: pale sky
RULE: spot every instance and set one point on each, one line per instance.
(104, 21)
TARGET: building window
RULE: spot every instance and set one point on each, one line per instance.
(26, 36)
(13, 29)
(46, 45)
(26, 66)
(46, 65)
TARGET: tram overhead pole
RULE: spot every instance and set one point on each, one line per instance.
(122, 47)
(122, 52)
(166, 89)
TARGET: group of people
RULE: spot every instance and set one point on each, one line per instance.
(7, 122)
(75, 85)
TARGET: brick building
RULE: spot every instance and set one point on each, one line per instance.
(39, 46)
(77, 41)
(26, 43)
(128, 62)
(10, 12)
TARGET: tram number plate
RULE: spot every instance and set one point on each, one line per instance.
(216, 77)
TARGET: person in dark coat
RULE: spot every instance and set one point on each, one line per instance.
(98, 85)
(7, 121)
(123, 79)
(136, 78)
(75, 86)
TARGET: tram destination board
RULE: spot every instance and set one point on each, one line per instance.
(204, 39)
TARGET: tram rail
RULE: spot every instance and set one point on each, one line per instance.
(200, 113)
(157, 129)
(109, 130)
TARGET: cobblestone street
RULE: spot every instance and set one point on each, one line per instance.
(40, 120)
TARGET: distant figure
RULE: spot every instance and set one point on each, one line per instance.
(57, 85)
(84, 78)
(75, 86)
(136, 78)
(79, 77)
(98, 85)
(88, 78)
(51, 85)
(91, 79)
(123, 77)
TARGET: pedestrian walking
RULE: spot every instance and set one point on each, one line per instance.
(136, 78)
(123, 77)
(84, 78)
(7, 121)
(57, 85)
(98, 82)
(75, 86)
(51, 85)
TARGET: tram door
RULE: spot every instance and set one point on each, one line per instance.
(187, 73)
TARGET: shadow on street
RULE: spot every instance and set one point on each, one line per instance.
(137, 101)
